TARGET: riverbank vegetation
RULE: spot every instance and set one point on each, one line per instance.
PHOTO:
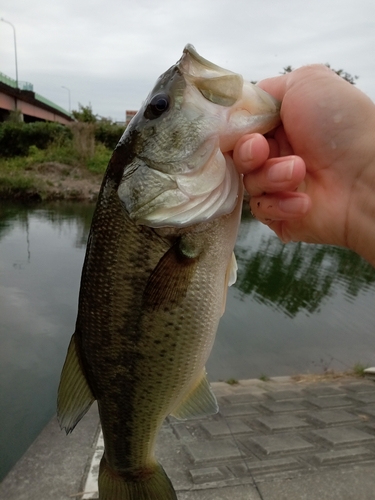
(45, 161)
(50, 161)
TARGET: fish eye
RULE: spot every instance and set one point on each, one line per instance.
(158, 105)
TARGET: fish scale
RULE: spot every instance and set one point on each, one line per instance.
(157, 266)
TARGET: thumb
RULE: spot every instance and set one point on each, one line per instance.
(275, 86)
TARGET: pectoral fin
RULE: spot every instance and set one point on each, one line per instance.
(74, 394)
(230, 277)
(200, 402)
(170, 279)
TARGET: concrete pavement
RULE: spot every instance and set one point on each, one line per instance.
(276, 440)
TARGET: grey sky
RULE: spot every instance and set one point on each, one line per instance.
(109, 53)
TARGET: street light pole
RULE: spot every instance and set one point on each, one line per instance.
(66, 88)
(15, 47)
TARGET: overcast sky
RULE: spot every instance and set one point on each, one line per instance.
(109, 53)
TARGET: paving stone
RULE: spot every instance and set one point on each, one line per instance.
(360, 387)
(237, 426)
(240, 492)
(240, 409)
(343, 436)
(216, 429)
(365, 398)
(330, 401)
(205, 461)
(332, 417)
(369, 410)
(285, 395)
(255, 388)
(182, 432)
(265, 466)
(324, 391)
(284, 406)
(240, 469)
(220, 388)
(209, 474)
(354, 483)
(241, 398)
(226, 428)
(206, 451)
(275, 465)
(271, 445)
(281, 423)
(342, 456)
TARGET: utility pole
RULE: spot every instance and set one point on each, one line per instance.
(15, 47)
(66, 88)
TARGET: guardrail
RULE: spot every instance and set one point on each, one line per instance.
(12, 83)
(30, 87)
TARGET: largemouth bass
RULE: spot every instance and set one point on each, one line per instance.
(158, 263)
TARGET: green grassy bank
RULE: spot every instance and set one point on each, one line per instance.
(48, 161)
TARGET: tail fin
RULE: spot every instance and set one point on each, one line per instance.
(150, 485)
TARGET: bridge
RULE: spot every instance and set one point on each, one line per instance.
(20, 97)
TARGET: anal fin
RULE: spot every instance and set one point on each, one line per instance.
(74, 394)
(200, 401)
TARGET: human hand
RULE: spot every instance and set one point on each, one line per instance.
(314, 179)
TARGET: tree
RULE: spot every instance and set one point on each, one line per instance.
(85, 114)
(345, 75)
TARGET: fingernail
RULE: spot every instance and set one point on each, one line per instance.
(294, 205)
(282, 171)
(245, 152)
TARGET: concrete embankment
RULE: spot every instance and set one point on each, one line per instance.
(282, 439)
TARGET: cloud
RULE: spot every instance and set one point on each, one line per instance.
(110, 53)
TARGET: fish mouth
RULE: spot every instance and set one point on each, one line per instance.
(192, 198)
(182, 173)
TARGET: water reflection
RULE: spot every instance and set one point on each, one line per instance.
(41, 256)
(298, 277)
(295, 308)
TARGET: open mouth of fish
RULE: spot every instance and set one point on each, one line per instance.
(182, 172)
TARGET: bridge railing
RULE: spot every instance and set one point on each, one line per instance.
(12, 83)
(29, 86)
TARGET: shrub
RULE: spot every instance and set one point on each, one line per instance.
(16, 138)
(83, 139)
(108, 134)
(98, 163)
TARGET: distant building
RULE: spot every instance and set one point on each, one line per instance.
(129, 115)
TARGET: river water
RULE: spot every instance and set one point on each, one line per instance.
(294, 309)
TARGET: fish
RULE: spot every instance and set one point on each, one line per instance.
(158, 263)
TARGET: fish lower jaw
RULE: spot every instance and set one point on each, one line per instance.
(194, 210)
